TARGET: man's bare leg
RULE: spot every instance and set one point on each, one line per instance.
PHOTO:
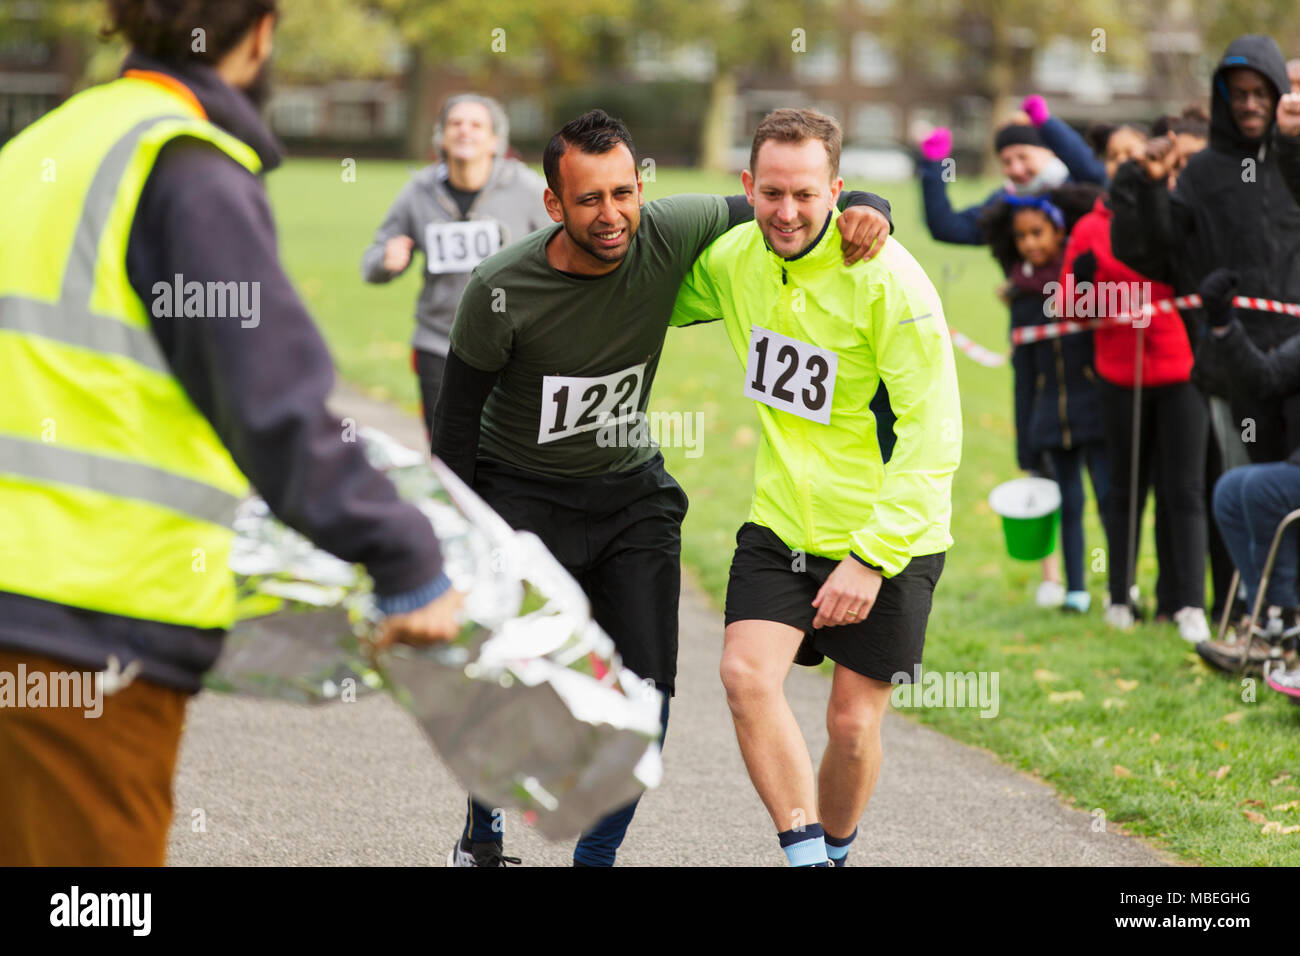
(851, 763)
(756, 657)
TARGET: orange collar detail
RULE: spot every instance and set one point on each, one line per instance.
(172, 84)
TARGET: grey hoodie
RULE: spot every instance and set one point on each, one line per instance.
(510, 203)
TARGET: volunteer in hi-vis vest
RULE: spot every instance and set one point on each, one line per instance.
(457, 213)
(133, 413)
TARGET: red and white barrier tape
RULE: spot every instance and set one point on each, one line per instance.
(1054, 330)
(976, 352)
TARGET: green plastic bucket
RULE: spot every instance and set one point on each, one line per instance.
(1031, 511)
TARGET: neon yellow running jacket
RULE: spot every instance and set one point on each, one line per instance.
(816, 338)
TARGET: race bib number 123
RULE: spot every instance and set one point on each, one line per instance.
(791, 375)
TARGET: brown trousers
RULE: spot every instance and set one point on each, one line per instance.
(83, 791)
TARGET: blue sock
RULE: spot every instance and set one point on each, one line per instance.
(837, 849)
(478, 825)
(804, 847)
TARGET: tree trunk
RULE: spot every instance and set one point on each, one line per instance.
(419, 126)
(715, 137)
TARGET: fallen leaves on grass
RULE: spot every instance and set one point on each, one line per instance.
(1125, 685)
(1292, 805)
(1221, 772)
(1275, 826)
(1065, 696)
(1113, 702)
(1020, 648)
(1046, 676)
(1234, 717)
(1279, 778)
(1123, 772)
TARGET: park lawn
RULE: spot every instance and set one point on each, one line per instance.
(1132, 728)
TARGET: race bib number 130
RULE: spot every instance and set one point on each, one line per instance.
(790, 375)
(571, 404)
(460, 246)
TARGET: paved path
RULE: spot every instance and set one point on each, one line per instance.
(357, 783)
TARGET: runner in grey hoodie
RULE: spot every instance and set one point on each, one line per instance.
(456, 212)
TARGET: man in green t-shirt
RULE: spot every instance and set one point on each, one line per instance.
(842, 550)
(558, 337)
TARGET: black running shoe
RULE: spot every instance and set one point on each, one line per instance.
(467, 853)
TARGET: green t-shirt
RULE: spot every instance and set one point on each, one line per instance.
(577, 355)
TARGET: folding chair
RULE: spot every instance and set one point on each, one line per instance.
(1260, 590)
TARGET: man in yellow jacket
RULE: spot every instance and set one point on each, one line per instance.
(842, 549)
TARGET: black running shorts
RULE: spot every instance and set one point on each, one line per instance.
(620, 536)
(771, 582)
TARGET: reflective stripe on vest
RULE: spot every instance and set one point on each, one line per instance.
(121, 479)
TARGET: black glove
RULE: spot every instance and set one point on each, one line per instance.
(1084, 268)
(1217, 291)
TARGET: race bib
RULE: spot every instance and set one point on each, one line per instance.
(460, 246)
(790, 375)
(571, 405)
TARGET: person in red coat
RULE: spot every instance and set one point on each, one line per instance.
(1173, 418)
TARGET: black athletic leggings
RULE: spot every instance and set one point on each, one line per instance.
(1171, 456)
(428, 369)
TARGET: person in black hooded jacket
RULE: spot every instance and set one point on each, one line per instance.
(1250, 502)
(1231, 208)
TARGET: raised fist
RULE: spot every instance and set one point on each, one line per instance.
(397, 253)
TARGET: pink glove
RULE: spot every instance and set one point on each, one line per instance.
(937, 145)
(1036, 107)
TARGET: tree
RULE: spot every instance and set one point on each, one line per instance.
(556, 41)
(329, 39)
(1222, 20)
(314, 40)
(762, 34)
(994, 39)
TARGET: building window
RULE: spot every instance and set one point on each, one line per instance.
(821, 64)
(873, 63)
(296, 113)
(875, 123)
(527, 120)
(350, 120)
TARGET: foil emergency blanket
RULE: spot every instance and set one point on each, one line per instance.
(529, 705)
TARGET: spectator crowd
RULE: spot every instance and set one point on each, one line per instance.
(1198, 405)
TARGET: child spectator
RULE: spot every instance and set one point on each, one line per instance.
(1061, 417)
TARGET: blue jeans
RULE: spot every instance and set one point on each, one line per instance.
(596, 847)
(1068, 465)
(1249, 503)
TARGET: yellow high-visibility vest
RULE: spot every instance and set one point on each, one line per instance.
(116, 493)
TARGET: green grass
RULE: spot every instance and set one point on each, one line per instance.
(1143, 737)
